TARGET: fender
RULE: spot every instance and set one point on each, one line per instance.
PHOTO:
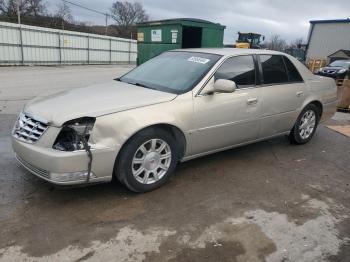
(114, 130)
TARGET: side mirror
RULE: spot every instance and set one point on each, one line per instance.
(224, 86)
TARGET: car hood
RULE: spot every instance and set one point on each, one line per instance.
(93, 101)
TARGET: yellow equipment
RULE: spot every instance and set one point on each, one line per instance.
(248, 40)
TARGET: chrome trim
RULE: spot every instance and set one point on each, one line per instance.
(34, 170)
(225, 58)
(28, 129)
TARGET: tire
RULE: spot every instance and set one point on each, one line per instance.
(144, 162)
(306, 125)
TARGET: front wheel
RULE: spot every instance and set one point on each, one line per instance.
(147, 160)
(305, 126)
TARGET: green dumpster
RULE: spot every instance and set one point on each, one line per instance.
(155, 37)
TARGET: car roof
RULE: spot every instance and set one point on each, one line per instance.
(306, 73)
(229, 51)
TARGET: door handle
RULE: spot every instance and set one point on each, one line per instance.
(252, 101)
(300, 93)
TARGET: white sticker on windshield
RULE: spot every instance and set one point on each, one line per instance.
(197, 59)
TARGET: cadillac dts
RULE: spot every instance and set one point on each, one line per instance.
(177, 106)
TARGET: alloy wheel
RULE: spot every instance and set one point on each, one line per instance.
(307, 124)
(151, 161)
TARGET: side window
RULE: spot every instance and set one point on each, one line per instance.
(293, 73)
(274, 71)
(240, 69)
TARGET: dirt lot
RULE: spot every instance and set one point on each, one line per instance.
(270, 201)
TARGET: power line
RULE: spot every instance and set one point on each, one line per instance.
(87, 8)
(106, 15)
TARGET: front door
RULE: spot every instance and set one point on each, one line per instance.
(226, 119)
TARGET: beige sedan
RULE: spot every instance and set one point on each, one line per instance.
(178, 106)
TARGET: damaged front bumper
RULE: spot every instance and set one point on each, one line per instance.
(64, 168)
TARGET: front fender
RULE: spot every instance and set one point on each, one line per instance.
(114, 130)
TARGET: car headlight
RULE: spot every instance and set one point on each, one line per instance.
(340, 71)
(73, 133)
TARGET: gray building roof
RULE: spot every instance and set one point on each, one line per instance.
(328, 36)
(347, 20)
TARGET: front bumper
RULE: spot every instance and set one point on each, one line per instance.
(64, 168)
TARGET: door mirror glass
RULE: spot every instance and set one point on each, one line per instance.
(224, 86)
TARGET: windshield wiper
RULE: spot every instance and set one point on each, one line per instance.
(136, 84)
(142, 85)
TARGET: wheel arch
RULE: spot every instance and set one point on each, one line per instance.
(176, 132)
(318, 104)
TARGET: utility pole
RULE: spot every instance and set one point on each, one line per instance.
(106, 23)
(18, 12)
(20, 29)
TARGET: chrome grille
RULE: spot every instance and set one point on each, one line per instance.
(28, 129)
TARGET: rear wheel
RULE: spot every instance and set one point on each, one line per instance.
(305, 126)
(147, 160)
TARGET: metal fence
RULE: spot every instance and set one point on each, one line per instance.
(31, 45)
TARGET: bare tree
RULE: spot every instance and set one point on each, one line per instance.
(9, 7)
(26, 7)
(35, 7)
(127, 15)
(276, 43)
(63, 13)
(3, 7)
(296, 43)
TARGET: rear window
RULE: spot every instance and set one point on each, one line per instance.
(274, 71)
(293, 73)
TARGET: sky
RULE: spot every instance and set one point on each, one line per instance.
(287, 18)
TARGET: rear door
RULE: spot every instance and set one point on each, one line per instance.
(283, 92)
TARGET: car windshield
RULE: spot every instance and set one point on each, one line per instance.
(174, 72)
(341, 63)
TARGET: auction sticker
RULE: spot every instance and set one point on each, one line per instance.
(199, 60)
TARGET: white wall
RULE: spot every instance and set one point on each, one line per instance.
(327, 38)
(44, 46)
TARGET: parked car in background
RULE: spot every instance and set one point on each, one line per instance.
(338, 69)
(175, 107)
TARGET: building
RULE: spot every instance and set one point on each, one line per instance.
(327, 37)
(339, 55)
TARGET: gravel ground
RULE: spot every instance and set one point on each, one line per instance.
(270, 201)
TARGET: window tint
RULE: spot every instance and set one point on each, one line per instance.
(273, 68)
(239, 69)
(293, 73)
